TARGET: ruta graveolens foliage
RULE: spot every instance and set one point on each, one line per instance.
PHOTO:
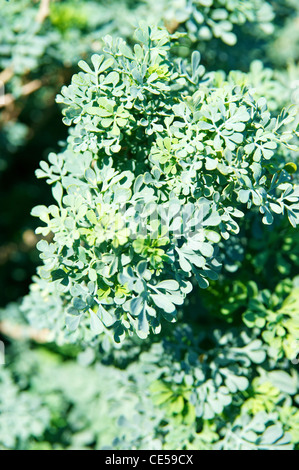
(160, 168)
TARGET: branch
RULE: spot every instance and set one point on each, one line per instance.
(44, 11)
(171, 26)
(22, 332)
(5, 76)
(27, 89)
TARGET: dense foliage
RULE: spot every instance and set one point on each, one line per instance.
(165, 314)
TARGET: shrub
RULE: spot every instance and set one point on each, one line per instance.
(169, 249)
